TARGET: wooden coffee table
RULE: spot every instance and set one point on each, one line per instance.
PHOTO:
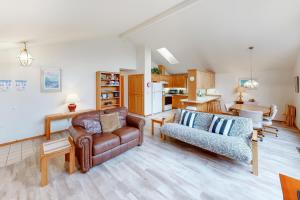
(53, 149)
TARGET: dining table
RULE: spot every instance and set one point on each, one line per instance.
(237, 107)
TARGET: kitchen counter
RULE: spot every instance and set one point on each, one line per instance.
(203, 104)
(201, 100)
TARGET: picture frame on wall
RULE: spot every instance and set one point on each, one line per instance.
(51, 80)
(242, 82)
(297, 84)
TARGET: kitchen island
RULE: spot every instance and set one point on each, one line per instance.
(209, 104)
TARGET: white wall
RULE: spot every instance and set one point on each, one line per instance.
(144, 63)
(275, 87)
(22, 113)
(296, 97)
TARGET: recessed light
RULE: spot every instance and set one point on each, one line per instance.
(167, 55)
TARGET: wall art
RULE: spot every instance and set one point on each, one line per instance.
(51, 80)
(5, 85)
(21, 85)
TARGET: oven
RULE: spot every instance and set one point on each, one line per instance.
(168, 102)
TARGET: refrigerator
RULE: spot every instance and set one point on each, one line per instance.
(157, 91)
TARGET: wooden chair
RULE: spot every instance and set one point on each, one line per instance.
(290, 187)
(267, 122)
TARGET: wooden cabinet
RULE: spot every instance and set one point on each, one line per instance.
(179, 80)
(176, 103)
(174, 80)
(136, 94)
(155, 77)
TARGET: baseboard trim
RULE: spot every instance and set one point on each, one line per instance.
(29, 138)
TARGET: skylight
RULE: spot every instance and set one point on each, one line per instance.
(167, 55)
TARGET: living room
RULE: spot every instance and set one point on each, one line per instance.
(180, 99)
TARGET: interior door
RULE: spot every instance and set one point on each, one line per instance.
(136, 94)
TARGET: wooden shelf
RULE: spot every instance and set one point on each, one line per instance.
(110, 98)
(109, 85)
(102, 88)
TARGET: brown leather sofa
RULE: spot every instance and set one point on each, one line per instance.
(94, 149)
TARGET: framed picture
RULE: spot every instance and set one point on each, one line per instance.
(297, 84)
(242, 82)
(51, 80)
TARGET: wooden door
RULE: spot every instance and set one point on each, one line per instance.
(136, 94)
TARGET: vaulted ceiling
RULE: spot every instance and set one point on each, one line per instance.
(207, 34)
(46, 21)
(215, 35)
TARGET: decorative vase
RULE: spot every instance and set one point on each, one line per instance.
(72, 107)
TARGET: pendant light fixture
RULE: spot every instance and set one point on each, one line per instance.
(25, 58)
(251, 84)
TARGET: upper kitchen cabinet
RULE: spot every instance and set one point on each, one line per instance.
(179, 80)
(168, 81)
(155, 77)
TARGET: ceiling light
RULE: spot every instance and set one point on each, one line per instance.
(251, 84)
(167, 55)
(25, 58)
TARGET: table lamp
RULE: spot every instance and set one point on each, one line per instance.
(72, 99)
(240, 90)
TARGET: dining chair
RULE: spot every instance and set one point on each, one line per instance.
(267, 121)
(257, 120)
(226, 109)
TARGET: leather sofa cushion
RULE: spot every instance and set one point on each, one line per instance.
(92, 115)
(110, 122)
(127, 134)
(122, 114)
(104, 142)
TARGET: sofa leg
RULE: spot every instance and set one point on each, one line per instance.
(254, 158)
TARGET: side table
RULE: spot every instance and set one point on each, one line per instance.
(53, 149)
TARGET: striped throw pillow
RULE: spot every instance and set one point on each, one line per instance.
(221, 126)
(187, 118)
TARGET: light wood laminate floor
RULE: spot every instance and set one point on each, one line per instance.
(160, 170)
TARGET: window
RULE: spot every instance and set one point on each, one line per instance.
(167, 55)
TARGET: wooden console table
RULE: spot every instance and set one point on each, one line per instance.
(59, 116)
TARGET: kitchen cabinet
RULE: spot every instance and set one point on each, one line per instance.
(136, 94)
(168, 79)
(176, 103)
(173, 81)
(179, 80)
(155, 77)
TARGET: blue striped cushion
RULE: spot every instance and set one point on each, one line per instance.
(187, 118)
(221, 126)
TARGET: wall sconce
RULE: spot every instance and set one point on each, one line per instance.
(25, 58)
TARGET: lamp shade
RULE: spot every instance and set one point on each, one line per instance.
(240, 89)
(25, 58)
(72, 98)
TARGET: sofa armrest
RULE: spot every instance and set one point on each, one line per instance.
(138, 123)
(83, 145)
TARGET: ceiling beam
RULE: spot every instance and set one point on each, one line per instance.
(178, 7)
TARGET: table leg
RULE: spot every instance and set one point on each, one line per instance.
(44, 171)
(152, 130)
(72, 160)
(47, 129)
